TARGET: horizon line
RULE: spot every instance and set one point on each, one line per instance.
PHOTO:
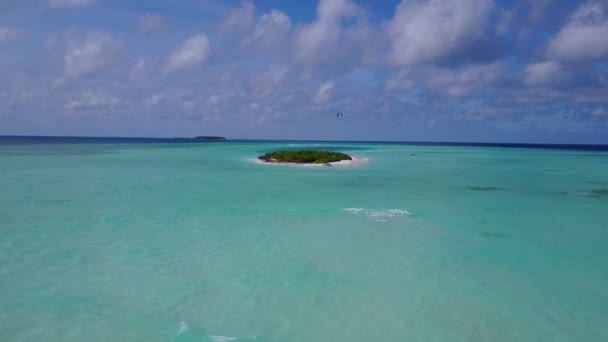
(313, 140)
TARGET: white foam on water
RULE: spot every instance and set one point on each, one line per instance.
(183, 327)
(355, 161)
(379, 215)
(219, 338)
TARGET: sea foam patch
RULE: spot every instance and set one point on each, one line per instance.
(185, 333)
(380, 215)
(183, 327)
(217, 338)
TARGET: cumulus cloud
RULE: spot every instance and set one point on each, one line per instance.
(585, 36)
(325, 92)
(91, 54)
(600, 113)
(466, 80)
(138, 69)
(239, 19)
(505, 22)
(424, 31)
(418, 65)
(271, 29)
(9, 33)
(262, 84)
(152, 23)
(403, 80)
(318, 40)
(92, 100)
(193, 51)
(70, 3)
(589, 95)
(544, 73)
(153, 100)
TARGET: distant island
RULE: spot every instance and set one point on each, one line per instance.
(304, 157)
(209, 138)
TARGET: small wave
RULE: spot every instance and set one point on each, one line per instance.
(217, 338)
(379, 215)
(183, 327)
(185, 333)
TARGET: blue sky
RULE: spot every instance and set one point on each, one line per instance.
(426, 70)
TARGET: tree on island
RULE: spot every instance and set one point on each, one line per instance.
(304, 157)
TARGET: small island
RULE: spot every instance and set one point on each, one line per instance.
(305, 157)
(209, 138)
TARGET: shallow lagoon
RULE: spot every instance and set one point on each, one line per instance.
(155, 241)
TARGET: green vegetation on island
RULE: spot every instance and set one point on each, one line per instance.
(304, 157)
(209, 138)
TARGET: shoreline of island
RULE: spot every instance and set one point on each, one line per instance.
(354, 161)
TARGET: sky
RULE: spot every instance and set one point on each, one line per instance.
(533, 71)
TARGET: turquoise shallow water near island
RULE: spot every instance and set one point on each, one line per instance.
(153, 241)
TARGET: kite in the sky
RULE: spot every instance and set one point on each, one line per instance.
(339, 114)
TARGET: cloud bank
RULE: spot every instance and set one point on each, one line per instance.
(414, 70)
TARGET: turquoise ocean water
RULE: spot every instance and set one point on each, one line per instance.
(196, 242)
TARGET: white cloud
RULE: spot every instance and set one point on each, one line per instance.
(544, 73)
(464, 81)
(591, 95)
(600, 113)
(316, 41)
(9, 33)
(368, 41)
(423, 31)
(262, 84)
(271, 29)
(328, 9)
(239, 19)
(70, 3)
(52, 40)
(153, 100)
(189, 105)
(91, 54)
(193, 51)
(585, 36)
(505, 22)
(152, 22)
(294, 68)
(325, 92)
(92, 100)
(138, 70)
(402, 81)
